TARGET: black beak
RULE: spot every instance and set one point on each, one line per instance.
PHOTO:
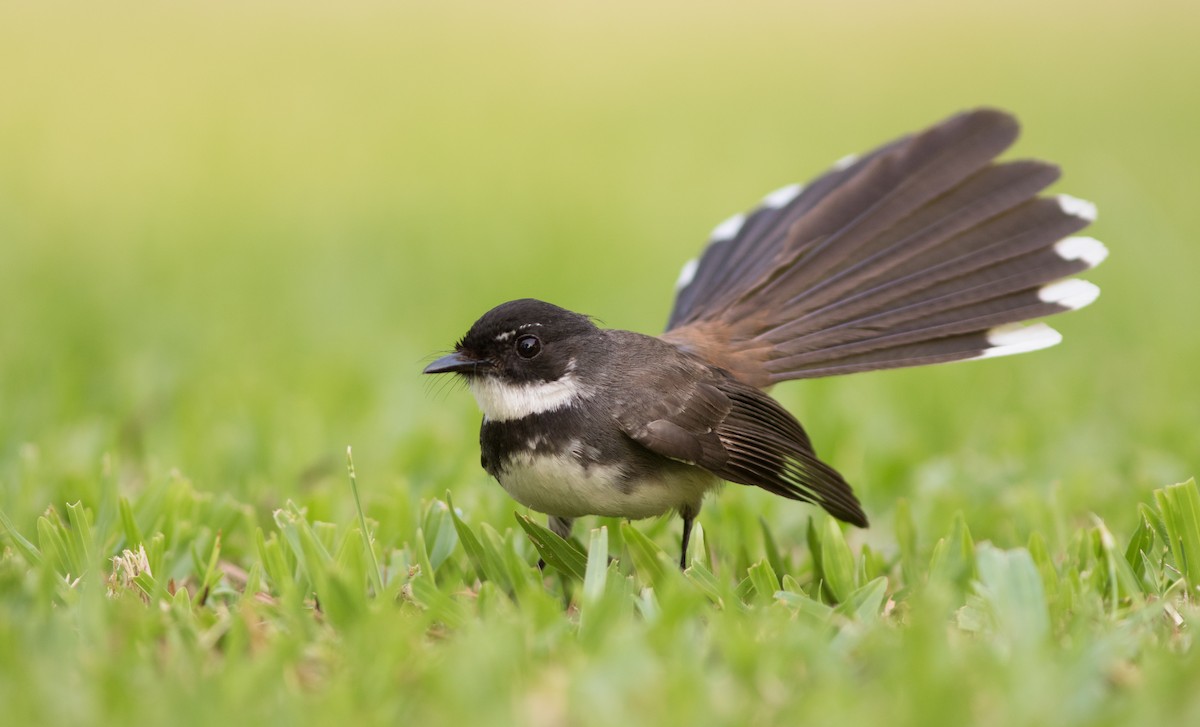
(456, 363)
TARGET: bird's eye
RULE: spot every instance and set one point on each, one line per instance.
(528, 346)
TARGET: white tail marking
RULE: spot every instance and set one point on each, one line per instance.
(728, 229)
(1087, 249)
(1076, 207)
(782, 196)
(1072, 293)
(687, 274)
(845, 162)
(1014, 338)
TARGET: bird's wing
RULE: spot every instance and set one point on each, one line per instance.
(744, 436)
(926, 250)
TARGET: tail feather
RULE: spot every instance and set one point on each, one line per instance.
(885, 192)
(918, 253)
(998, 341)
(1036, 224)
(1016, 264)
(945, 322)
(745, 247)
(921, 242)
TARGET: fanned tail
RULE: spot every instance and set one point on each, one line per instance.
(924, 251)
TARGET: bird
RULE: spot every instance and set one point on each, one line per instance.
(926, 250)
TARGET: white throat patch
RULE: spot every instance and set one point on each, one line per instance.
(502, 402)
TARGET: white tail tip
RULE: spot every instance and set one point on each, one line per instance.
(1014, 338)
(782, 196)
(1088, 249)
(845, 162)
(1076, 207)
(1072, 293)
(687, 274)
(728, 229)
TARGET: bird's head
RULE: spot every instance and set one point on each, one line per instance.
(521, 358)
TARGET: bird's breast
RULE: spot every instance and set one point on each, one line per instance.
(560, 465)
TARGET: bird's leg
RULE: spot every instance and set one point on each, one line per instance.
(560, 526)
(689, 515)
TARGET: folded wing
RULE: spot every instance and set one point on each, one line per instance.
(744, 436)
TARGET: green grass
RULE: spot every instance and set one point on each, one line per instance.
(231, 233)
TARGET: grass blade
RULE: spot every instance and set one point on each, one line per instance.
(470, 543)
(865, 603)
(133, 534)
(438, 533)
(837, 562)
(772, 550)
(648, 559)
(440, 606)
(1011, 585)
(1180, 508)
(766, 583)
(369, 542)
(596, 573)
(27, 549)
(562, 555)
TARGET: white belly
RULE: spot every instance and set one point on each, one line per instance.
(561, 486)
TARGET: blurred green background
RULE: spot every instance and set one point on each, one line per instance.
(231, 233)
